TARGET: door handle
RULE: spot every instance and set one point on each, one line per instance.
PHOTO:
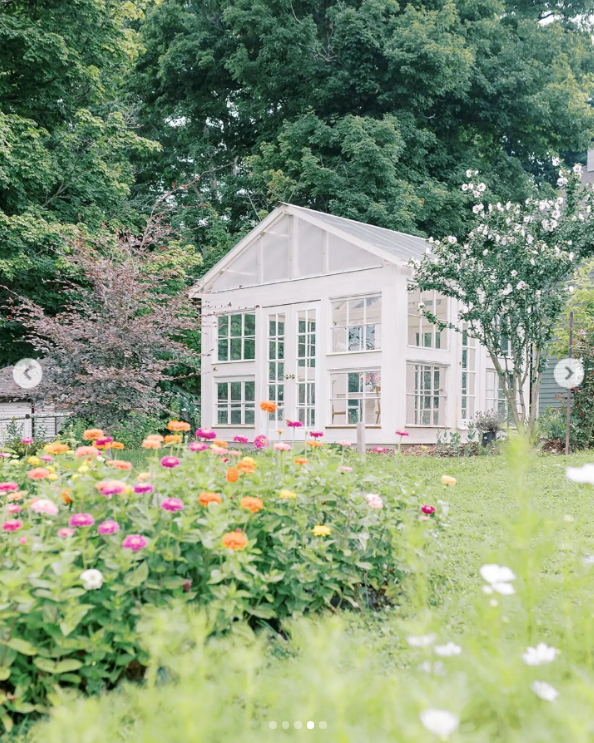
(289, 376)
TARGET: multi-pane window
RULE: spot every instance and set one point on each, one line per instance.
(236, 403)
(425, 395)
(468, 363)
(356, 324)
(355, 397)
(421, 332)
(276, 364)
(494, 395)
(237, 337)
(306, 367)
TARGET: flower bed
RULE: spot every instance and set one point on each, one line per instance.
(87, 542)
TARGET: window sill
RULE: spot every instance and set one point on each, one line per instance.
(353, 426)
(235, 425)
(234, 361)
(428, 348)
(350, 353)
(437, 427)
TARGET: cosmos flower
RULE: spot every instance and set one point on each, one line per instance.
(544, 691)
(539, 655)
(499, 579)
(448, 650)
(440, 722)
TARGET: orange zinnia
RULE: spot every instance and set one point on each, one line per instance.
(38, 473)
(219, 442)
(117, 445)
(313, 443)
(301, 460)
(247, 465)
(205, 498)
(173, 439)
(253, 505)
(120, 464)
(56, 448)
(65, 495)
(178, 426)
(151, 444)
(143, 476)
(92, 433)
(235, 540)
(268, 406)
(232, 474)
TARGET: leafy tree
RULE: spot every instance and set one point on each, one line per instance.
(66, 139)
(507, 279)
(110, 349)
(368, 109)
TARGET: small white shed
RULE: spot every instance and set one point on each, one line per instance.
(313, 312)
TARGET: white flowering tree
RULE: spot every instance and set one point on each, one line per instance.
(508, 278)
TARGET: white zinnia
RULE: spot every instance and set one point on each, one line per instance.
(542, 653)
(449, 650)
(439, 721)
(421, 641)
(499, 578)
(92, 579)
(581, 474)
(544, 691)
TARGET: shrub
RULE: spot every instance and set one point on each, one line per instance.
(283, 540)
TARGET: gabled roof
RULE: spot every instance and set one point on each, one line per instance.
(388, 245)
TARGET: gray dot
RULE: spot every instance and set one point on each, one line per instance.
(285, 725)
(272, 725)
(297, 725)
(310, 724)
(323, 725)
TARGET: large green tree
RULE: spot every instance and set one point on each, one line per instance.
(66, 139)
(370, 109)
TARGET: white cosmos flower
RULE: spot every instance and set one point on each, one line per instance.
(465, 186)
(439, 721)
(499, 578)
(92, 579)
(581, 474)
(577, 169)
(542, 653)
(544, 691)
(469, 173)
(421, 641)
(522, 285)
(561, 181)
(477, 208)
(556, 162)
(449, 650)
(452, 240)
(508, 290)
(481, 187)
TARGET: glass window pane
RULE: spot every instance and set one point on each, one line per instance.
(236, 391)
(272, 328)
(271, 349)
(223, 350)
(250, 324)
(354, 382)
(250, 391)
(370, 340)
(249, 415)
(223, 416)
(355, 338)
(223, 325)
(222, 391)
(249, 348)
(236, 326)
(235, 349)
(339, 339)
(236, 416)
(356, 311)
(281, 350)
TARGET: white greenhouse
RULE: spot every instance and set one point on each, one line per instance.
(313, 312)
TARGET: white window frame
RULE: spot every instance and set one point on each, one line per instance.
(421, 367)
(422, 321)
(361, 396)
(495, 398)
(467, 399)
(277, 382)
(347, 326)
(244, 404)
(243, 337)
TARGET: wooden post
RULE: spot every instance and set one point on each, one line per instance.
(361, 438)
(568, 414)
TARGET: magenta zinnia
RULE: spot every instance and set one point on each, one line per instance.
(172, 504)
(81, 519)
(170, 462)
(134, 542)
(108, 527)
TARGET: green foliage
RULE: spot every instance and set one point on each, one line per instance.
(86, 638)
(361, 675)
(552, 423)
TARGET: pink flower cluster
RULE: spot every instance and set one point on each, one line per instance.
(281, 446)
(206, 433)
(45, 507)
(81, 519)
(170, 462)
(143, 487)
(294, 424)
(12, 525)
(172, 504)
(261, 442)
(6, 487)
(241, 440)
(197, 446)
(134, 542)
(374, 501)
(108, 527)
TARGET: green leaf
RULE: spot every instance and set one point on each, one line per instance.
(65, 666)
(22, 646)
(4, 673)
(365, 565)
(45, 664)
(137, 576)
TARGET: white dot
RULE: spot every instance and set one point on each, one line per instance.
(310, 724)
(285, 725)
(297, 725)
(272, 725)
(323, 725)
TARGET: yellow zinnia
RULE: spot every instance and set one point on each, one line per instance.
(287, 494)
(320, 530)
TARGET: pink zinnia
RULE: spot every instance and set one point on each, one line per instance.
(108, 527)
(374, 501)
(111, 489)
(345, 469)
(206, 433)
(27, 441)
(197, 446)
(143, 487)
(66, 532)
(104, 441)
(6, 487)
(261, 442)
(44, 506)
(46, 458)
(428, 510)
(12, 525)
(169, 462)
(380, 450)
(401, 433)
(218, 449)
(316, 434)
(241, 439)
(294, 424)
(134, 542)
(344, 443)
(281, 446)
(172, 504)
(81, 519)
(13, 508)
(23, 540)
(234, 453)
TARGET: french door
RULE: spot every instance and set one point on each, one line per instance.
(291, 363)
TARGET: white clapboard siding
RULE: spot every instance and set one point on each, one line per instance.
(18, 411)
